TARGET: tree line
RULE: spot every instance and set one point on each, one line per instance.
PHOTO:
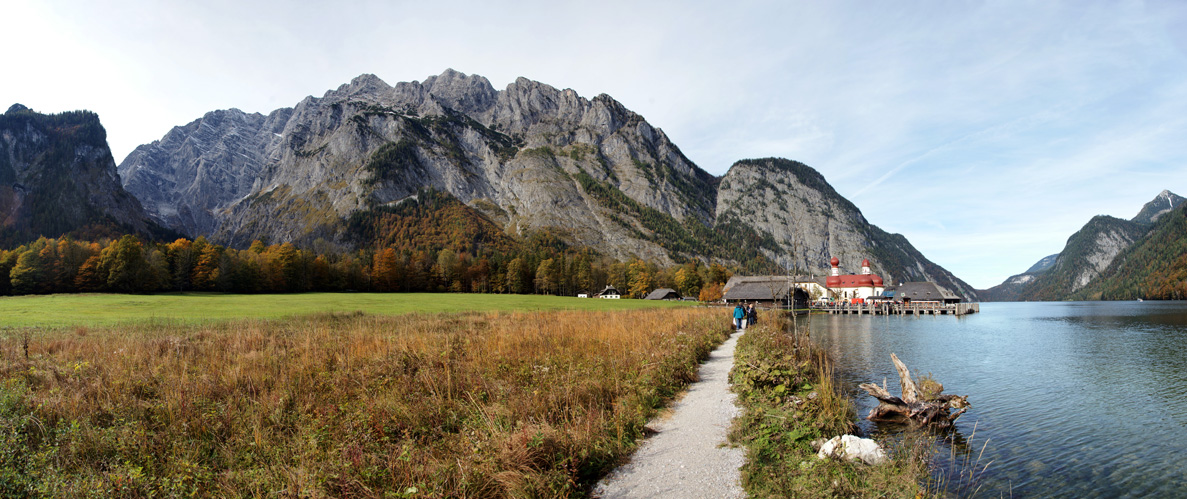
(537, 265)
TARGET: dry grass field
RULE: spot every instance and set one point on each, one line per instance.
(478, 404)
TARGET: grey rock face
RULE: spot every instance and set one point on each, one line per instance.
(529, 156)
(187, 177)
(1106, 245)
(514, 154)
(57, 175)
(812, 223)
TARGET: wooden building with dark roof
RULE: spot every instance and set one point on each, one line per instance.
(769, 291)
(920, 292)
(664, 294)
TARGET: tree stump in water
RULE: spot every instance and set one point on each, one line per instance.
(920, 405)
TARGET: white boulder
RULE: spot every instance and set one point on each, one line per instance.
(853, 448)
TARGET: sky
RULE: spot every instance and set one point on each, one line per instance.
(986, 132)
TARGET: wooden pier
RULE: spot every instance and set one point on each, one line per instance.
(913, 308)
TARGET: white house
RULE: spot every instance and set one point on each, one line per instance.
(610, 293)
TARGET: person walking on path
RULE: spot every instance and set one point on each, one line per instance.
(739, 316)
(752, 315)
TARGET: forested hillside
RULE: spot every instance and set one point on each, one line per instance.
(1153, 268)
(432, 242)
(1088, 252)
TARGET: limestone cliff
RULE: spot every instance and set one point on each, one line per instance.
(514, 154)
(811, 223)
(530, 157)
(57, 177)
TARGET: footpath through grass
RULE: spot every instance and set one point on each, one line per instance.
(494, 404)
(785, 386)
(69, 310)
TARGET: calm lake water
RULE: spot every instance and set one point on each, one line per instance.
(1071, 399)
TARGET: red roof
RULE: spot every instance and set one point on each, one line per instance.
(853, 281)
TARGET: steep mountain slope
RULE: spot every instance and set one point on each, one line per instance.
(529, 157)
(1085, 257)
(57, 177)
(1153, 267)
(1163, 203)
(516, 154)
(1087, 252)
(185, 177)
(811, 223)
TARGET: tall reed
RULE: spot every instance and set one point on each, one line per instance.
(786, 386)
(501, 404)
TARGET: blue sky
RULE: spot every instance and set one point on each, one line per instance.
(985, 132)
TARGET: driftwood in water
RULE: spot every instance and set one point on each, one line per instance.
(923, 406)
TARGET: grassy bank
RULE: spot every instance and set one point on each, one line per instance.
(67, 310)
(494, 404)
(784, 384)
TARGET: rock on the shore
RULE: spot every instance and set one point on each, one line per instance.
(852, 448)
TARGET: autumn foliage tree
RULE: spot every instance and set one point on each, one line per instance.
(431, 243)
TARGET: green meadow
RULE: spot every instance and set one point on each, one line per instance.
(93, 310)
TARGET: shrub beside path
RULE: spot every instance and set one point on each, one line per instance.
(688, 456)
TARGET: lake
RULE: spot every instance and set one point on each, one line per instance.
(1069, 399)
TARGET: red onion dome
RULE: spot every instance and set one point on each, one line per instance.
(865, 263)
(834, 261)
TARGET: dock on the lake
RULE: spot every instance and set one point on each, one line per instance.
(893, 308)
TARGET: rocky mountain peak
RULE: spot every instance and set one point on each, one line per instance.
(529, 157)
(16, 108)
(1164, 202)
(366, 87)
(471, 95)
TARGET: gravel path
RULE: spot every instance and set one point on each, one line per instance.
(686, 459)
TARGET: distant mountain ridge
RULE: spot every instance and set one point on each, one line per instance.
(1087, 257)
(1043, 264)
(57, 177)
(529, 157)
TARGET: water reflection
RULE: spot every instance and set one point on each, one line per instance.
(1075, 399)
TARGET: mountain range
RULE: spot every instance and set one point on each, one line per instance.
(1109, 258)
(528, 158)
